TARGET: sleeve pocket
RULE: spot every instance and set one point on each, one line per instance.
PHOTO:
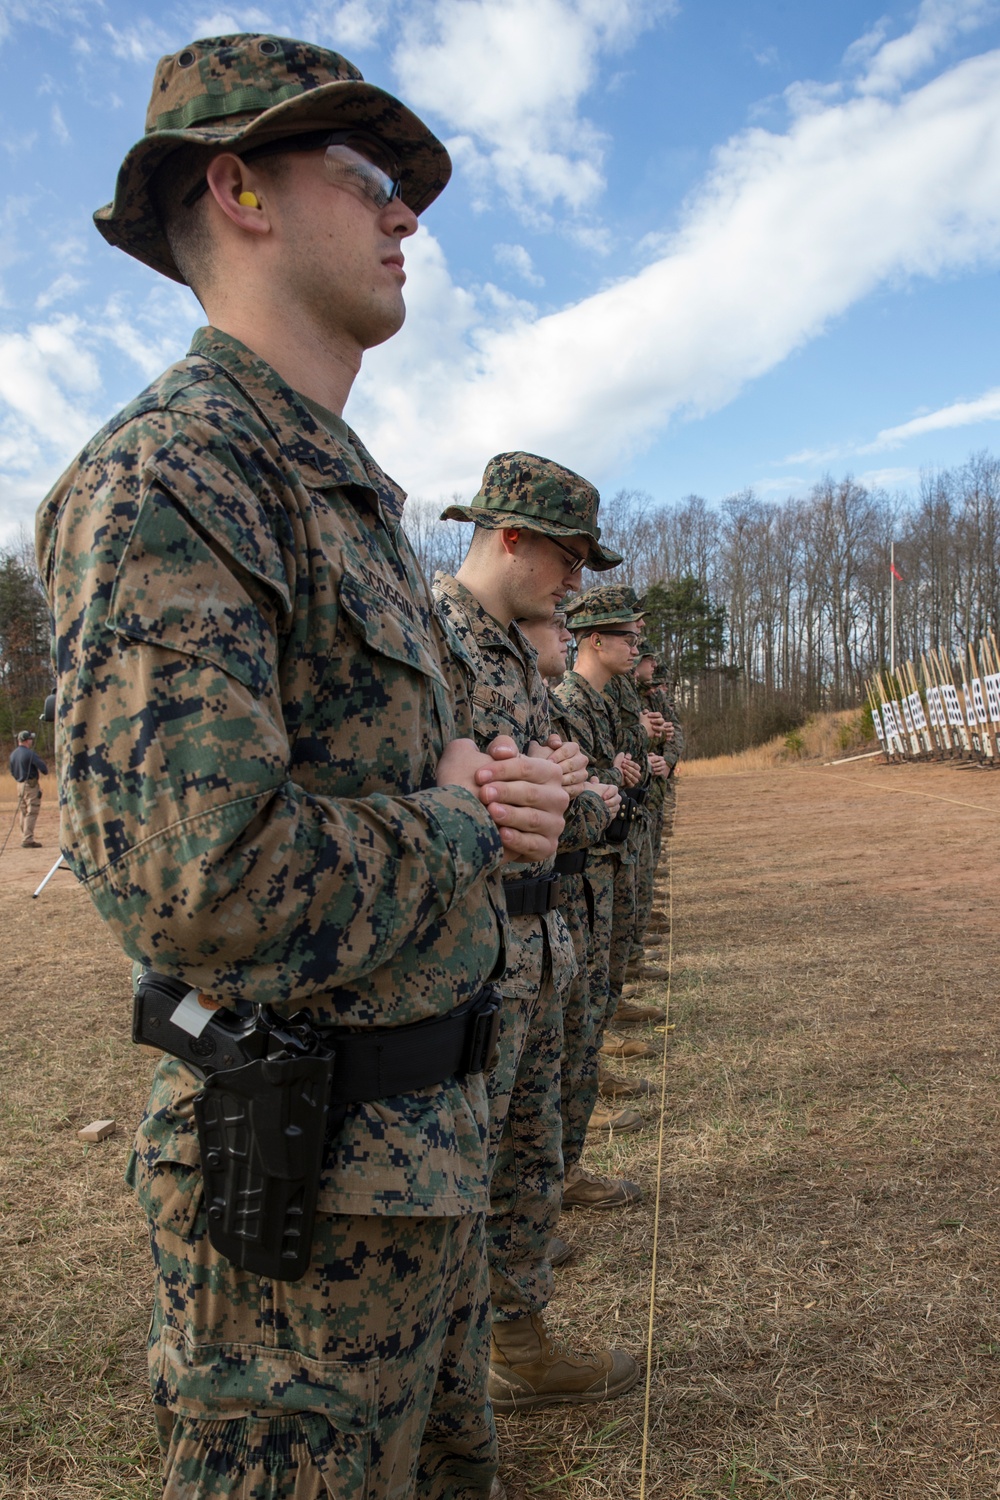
(202, 573)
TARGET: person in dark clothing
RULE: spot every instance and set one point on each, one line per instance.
(26, 767)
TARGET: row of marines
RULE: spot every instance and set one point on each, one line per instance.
(294, 779)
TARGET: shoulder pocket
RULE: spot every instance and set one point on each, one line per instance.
(202, 573)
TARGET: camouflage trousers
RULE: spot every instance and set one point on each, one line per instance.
(586, 1002)
(648, 863)
(366, 1378)
(525, 1153)
(669, 808)
(623, 919)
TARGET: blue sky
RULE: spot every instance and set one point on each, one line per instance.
(688, 247)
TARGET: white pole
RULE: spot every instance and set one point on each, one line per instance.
(892, 607)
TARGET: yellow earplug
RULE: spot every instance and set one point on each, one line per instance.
(248, 200)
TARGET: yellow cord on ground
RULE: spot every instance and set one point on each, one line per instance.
(905, 791)
(659, 1183)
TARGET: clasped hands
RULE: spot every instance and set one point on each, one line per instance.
(656, 725)
(525, 795)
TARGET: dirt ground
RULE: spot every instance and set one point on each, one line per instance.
(824, 1314)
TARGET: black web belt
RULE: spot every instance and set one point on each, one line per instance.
(531, 897)
(574, 862)
(383, 1063)
(375, 1064)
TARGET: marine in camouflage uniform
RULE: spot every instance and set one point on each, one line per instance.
(607, 611)
(254, 695)
(581, 892)
(522, 492)
(631, 737)
(662, 793)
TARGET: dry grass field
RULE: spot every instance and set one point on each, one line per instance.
(825, 1314)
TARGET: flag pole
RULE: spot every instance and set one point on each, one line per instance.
(892, 606)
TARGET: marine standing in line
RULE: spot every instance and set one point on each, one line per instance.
(666, 746)
(536, 528)
(269, 791)
(585, 883)
(603, 621)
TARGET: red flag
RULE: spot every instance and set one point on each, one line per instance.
(895, 572)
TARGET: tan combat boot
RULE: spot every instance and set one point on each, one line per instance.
(528, 1370)
(629, 1014)
(559, 1252)
(614, 1086)
(587, 1190)
(619, 1120)
(620, 1046)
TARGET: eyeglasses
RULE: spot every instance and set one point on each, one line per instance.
(630, 635)
(352, 159)
(577, 563)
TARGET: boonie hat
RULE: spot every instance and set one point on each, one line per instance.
(534, 494)
(611, 604)
(240, 91)
(646, 648)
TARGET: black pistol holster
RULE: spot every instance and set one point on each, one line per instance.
(275, 1095)
(617, 830)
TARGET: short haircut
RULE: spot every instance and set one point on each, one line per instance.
(187, 228)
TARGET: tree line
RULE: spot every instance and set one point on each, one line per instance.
(25, 663)
(768, 611)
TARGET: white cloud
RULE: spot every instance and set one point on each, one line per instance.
(890, 65)
(985, 408)
(154, 333)
(50, 14)
(515, 258)
(889, 479)
(43, 372)
(787, 232)
(355, 23)
(59, 127)
(143, 42)
(508, 76)
(63, 286)
(226, 23)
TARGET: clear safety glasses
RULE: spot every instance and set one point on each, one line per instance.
(351, 158)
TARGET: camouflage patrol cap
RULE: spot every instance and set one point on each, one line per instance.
(523, 491)
(611, 604)
(240, 91)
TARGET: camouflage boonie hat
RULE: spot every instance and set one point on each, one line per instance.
(534, 494)
(240, 91)
(611, 604)
(646, 648)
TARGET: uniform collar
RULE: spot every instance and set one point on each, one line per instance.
(487, 630)
(321, 460)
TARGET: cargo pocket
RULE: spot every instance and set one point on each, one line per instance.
(171, 1193)
(269, 1456)
(219, 1390)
